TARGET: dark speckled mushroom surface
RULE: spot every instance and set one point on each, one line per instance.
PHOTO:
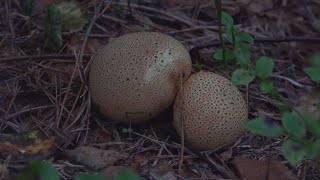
(213, 110)
(137, 76)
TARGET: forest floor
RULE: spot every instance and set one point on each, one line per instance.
(46, 111)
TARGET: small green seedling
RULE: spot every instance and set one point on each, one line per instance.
(314, 71)
(39, 170)
(302, 130)
(43, 170)
(127, 130)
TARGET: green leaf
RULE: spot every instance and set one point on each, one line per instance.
(266, 86)
(315, 60)
(53, 33)
(243, 36)
(313, 149)
(226, 19)
(313, 125)
(264, 67)
(198, 65)
(39, 169)
(218, 54)
(243, 53)
(293, 152)
(91, 177)
(127, 174)
(294, 125)
(242, 77)
(264, 128)
(229, 54)
(230, 33)
(127, 130)
(313, 72)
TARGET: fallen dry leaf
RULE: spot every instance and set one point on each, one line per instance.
(256, 6)
(162, 172)
(140, 159)
(96, 158)
(4, 173)
(113, 171)
(25, 147)
(72, 17)
(226, 155)
(76, 42)
(251, 169)
(308, 102)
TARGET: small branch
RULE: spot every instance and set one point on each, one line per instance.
(93, 20)
(155, 10)
(218, 8)
(267, 40)
(42, 57)
(293, 82)
(213, 44)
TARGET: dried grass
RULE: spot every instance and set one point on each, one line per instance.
(42, 90)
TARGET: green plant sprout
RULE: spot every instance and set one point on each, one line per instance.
(39, 169)
(53, 28)
(302, 130)
(314, 71)
(43, 170)
(240, 51)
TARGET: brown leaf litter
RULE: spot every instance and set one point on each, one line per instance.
(270, 169)
(96, 158)
(45, 90)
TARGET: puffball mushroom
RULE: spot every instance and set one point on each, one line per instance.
(213, 111)
(137, 76)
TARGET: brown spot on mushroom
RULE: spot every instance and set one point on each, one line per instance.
(134, 74)
(213, 110)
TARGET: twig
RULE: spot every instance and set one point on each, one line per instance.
(93, 20)
(67, 92)
(42, 57)
(293, 82)
(118, 20)
(218, 11)
(217, 166)
(166, 13)
(266, 40)
(27, 110)
(214, 28)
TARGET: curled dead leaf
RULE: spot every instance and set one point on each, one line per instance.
(112, 172)
(162, 172)
(251, 169)
(96, 158)
(25, 147)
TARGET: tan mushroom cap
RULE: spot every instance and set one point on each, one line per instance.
(213, 109)
(137, 76)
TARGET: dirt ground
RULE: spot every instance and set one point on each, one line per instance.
(46, 110)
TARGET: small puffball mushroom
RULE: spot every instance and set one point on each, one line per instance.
(137, 76)
(213, 110)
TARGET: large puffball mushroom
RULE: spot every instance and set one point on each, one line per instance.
(137, 76)
(213, 110)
